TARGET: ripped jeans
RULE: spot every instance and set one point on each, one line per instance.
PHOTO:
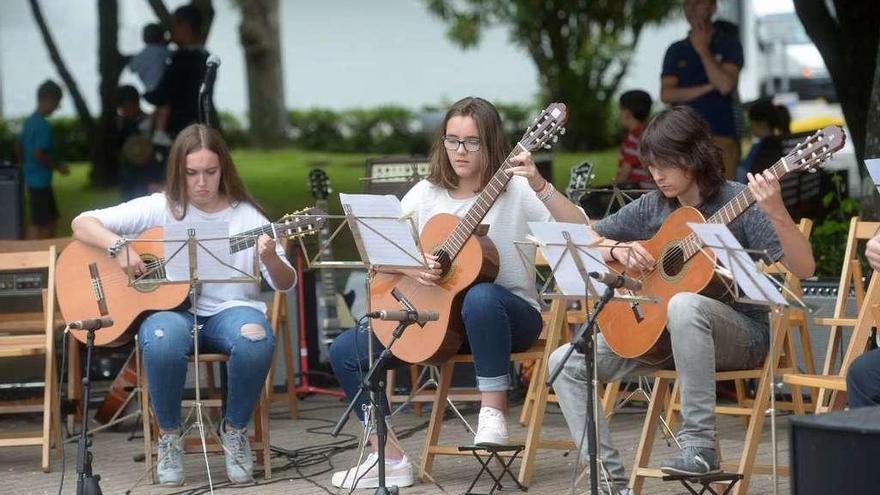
(243, 333)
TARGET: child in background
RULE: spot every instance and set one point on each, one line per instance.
(149, 64)
(36, 150)
(635, 108)
(770, 125)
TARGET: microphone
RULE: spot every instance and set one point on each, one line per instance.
(411, 316)
(617, 281)
(90, 324)
(212, 64)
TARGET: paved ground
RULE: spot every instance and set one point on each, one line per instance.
(114, 457)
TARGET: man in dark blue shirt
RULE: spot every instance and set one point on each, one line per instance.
(701, 71)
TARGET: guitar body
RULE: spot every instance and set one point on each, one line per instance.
(628, 336)
(77, 298)
(438, 340)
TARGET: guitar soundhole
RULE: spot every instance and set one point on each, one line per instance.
(445, 261)
(143, 285)
(672, 261)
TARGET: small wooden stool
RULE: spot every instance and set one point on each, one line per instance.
(706, 481)
(493, 450)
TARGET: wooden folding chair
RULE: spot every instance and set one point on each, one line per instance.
(754, 412)
(259, 436)
(33, 334)
(539, 353)
(834, 383)
(830, 380)
(278, 318)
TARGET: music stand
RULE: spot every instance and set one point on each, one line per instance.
(759, 289)
(575, 262)
(193, 249)
(385, 239)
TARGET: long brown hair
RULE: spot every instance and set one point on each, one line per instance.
(493, 144)
(679, 137)
(193, 138)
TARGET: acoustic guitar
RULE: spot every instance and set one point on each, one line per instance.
(638, 330)
(89, 282)
(465, 259)
(333, 314)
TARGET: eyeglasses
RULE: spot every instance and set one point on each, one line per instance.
(452, 144)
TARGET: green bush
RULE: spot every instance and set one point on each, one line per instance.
(233, 131)
(827, 236)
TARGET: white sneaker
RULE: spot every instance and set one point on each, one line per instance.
(397, 473)
(492, 428)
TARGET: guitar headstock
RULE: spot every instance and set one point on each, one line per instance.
(579, 181)
(301, 223)
(811, 152)
(319, 184)
(546, 129)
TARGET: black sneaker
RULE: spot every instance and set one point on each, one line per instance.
(692, 461)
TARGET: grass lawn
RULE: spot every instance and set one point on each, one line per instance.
(278, 179)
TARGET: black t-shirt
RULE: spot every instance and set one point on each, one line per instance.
(179, 87)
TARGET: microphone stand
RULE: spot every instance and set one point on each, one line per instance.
(374, 385)
(584, 343)
(206, 109)
(86, 482)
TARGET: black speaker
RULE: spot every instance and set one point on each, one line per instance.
(11, 222)
(835, 452)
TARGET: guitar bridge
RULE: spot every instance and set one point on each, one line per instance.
(637, 311)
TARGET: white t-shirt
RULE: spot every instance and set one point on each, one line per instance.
(135, 216)
(508, 222)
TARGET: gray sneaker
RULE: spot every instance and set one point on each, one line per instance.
(237, 451)
(170, 467)
(692, 461)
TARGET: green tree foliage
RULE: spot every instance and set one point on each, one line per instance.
(581, 48)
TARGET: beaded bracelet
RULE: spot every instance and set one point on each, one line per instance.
(546, 192)
(116, 247)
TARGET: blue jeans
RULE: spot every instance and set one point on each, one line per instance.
(242, 333)
(863, 380)
(497, 322)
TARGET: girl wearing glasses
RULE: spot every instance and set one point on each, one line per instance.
(499, 317)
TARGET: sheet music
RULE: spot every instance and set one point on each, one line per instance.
(753, 283)
(568, 278)
(209, 267)
(873, 166)
(389, 241)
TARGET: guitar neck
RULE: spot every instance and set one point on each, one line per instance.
(481, 206)
(248, 238)
(327, 280)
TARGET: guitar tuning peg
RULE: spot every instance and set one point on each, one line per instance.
(555, 139)
(547, 146)
(562, 131)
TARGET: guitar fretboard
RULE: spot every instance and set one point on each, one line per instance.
(248, 238)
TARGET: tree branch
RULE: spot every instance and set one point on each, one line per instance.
(161, 12)
(79, 102)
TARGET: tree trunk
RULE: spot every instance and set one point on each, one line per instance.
(848, 43)
(110, 65)
(82, 111)
(261, 41)
(870, 198)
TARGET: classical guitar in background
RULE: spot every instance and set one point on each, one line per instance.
(639, 330)
(333, 314)
(466, 258)
(85, 275)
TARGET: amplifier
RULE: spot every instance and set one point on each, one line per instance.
(11, 222)
(22, 291)
(394, 175)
